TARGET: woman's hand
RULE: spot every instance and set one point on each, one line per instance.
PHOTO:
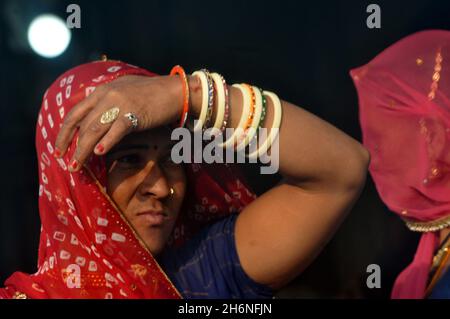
(156, 101)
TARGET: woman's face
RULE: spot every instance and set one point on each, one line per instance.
(140, 177)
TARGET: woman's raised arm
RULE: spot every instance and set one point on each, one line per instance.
(324, 170)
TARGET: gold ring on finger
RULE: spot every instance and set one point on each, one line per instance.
(110, 115)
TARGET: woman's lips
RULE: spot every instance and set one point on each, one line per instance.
(154, 218)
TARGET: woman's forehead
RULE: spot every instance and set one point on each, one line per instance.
(158, 136)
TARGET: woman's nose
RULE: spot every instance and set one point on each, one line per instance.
(154, 182)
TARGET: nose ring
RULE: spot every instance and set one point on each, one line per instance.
(172, 191)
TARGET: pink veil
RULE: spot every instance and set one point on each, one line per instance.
(405, 118)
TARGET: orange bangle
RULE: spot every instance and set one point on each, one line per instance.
(177, 69)
(252, 107)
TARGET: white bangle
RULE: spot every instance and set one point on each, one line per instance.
(251, 131)
(275, 126)
(244, 116)
(207, 100)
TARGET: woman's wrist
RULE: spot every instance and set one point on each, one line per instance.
(195, 96)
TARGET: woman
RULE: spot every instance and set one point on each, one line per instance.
(405, 118)
(121, 220)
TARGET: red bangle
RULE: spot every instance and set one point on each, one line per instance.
(177, 69)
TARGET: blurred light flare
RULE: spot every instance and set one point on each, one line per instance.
(48, 35)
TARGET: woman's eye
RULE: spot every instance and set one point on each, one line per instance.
(129, 160)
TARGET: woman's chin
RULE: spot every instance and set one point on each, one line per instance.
(155, 241)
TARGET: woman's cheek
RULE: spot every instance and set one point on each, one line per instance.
(120, 190)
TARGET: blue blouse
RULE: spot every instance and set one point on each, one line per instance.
(442, 288)
(208, 266)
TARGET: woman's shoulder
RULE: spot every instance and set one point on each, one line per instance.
(208, 265)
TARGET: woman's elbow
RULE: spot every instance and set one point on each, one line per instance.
(357, 169)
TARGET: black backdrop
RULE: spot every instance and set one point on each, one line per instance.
(302, 50)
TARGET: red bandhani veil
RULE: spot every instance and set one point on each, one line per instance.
(405, 118)
(87, 248)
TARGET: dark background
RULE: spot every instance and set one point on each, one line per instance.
(302, 50)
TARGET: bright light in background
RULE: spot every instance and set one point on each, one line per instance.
(48, 35)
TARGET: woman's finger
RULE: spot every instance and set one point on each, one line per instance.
(121, 127)
(71, 121)
(88, 137)
(95, 124)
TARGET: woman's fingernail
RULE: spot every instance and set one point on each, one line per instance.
(57, 152)
(99, 148)
(73, 165)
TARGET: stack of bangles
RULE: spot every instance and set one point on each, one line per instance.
(253, 113)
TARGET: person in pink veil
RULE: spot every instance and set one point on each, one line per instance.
(404, 100)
